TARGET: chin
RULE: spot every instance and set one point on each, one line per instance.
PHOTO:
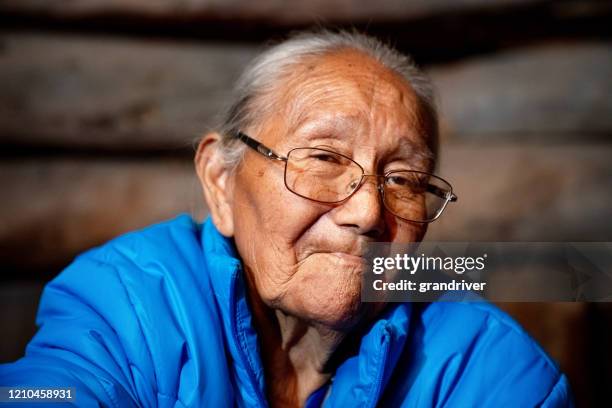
(334, 309)
(328, 293)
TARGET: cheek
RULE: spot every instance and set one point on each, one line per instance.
(403, 231)
(268, 221)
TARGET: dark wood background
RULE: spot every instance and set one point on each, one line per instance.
(101, 103)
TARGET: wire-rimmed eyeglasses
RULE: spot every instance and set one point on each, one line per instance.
(330, 177)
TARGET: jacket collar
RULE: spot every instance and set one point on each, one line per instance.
(224, 268)
(359, 380)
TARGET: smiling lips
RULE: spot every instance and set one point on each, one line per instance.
(349, 249)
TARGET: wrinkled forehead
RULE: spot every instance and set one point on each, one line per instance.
(348, 93)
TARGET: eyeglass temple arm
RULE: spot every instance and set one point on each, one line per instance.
(450, 196)
(259, 147)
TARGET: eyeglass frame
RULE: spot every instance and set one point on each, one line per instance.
(272, 155)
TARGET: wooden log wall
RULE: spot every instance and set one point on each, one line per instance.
(101, 103)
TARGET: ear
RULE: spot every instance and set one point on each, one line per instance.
(215, 180)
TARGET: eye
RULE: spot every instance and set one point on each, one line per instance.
(406, 182)
(325, 157)
(398, 181)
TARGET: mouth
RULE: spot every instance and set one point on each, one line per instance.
(353, 253)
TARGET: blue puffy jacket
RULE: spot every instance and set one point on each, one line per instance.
(159, 317)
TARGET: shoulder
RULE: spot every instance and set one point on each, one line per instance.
(481, 355)
(165, 241)
(155, 271)
(166, 251)
(147, 272)
(131, 315)
(473, 323)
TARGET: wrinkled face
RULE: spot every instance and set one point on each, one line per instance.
(304, 257)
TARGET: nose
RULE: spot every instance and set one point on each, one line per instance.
(357, 183)
(363, 211)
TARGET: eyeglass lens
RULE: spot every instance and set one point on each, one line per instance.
(330, 177)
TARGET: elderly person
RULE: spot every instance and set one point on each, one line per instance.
(328, 146)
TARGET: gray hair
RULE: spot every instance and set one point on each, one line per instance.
(263, 75)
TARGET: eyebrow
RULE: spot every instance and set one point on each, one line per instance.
(328, 127)
(414, 152)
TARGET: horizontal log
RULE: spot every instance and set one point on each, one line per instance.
(66, 91)
(278, 11)
(541, 93)
(432, 31)
(53, 209)
(69, 92)
(527, 193)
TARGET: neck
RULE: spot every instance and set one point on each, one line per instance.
(297, 356)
